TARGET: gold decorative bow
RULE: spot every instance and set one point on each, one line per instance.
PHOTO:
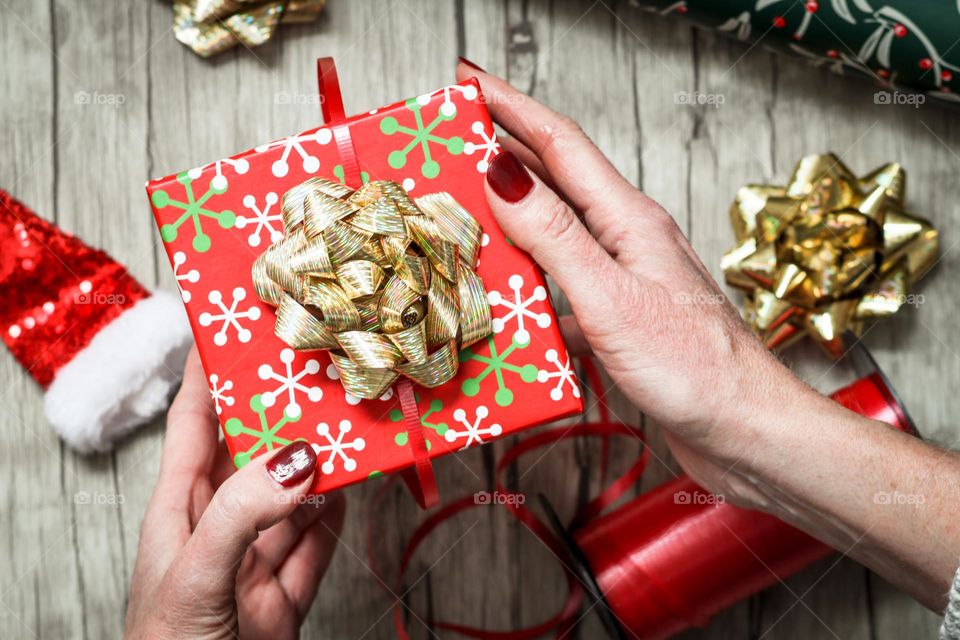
(211, 26)
(384, 282)
(826, 252)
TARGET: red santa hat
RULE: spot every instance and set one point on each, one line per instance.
(107, 351)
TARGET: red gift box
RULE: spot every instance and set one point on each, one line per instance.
(217, 219)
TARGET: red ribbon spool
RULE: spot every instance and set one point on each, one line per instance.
(675, 556)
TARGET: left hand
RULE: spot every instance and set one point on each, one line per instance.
(224, 554)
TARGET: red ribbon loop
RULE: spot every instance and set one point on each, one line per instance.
(331, 106)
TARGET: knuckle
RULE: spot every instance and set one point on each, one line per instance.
(558, 135)
(557, 221)
(664, 224)
(617, 237)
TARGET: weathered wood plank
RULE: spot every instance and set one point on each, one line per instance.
(730, 145)
(99, 193)
(38, 595)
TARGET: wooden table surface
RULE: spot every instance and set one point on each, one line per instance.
(157, 108)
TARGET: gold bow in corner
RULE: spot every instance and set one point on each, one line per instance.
(211, 26)
(384, 282)
(826, 252)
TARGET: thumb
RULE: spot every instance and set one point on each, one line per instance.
(253, 499)
(538, 221)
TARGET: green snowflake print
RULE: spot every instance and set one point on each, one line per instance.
(422, 136)
(193, 209)
(266, 434)
(339, 174)
(439, 428)
(497, 364)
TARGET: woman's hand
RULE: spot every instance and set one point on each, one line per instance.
(227, 554)
(642, 301)
(735, 418)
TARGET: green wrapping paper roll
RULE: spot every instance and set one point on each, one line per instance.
(900, 43)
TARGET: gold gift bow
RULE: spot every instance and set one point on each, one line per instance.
(212, 26)
(384, 282)
(826, 252)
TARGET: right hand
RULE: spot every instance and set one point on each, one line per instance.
(734, 417)
(642, 301)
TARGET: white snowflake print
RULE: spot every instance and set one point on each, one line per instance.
(489, 146)
(219, 182)
(564, 375)
(472, 432)
(230, 316)
(219, 393)
(519, 309)
(337, 448)
(448, 108)
(290, 382)
(262, 218)
(192, 276)
(311, 164)
(351, 399)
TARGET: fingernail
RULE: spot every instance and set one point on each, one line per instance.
(508, 177)
(293, 464)
(471, 65)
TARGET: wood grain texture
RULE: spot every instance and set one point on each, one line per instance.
(80, 158)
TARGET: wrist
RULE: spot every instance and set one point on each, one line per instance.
(755, 397)
(788, 439)
(768, 425)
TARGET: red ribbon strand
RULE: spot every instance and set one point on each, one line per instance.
(420, 479)
(665, 561)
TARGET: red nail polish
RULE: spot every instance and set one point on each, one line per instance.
(293, 464)
(509, 178)
(471, 65)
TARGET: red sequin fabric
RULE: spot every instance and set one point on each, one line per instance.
(56, 292)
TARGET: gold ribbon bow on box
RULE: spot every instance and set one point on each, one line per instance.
(384, 282)
(826, 252)
(211, 26)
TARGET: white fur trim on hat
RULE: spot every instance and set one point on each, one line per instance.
(122, 378)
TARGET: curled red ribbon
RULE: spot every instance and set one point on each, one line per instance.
(667, 560)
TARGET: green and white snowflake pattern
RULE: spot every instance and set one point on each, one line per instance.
(421, 135)
(267, 434)
(498, 365)
(194, 209)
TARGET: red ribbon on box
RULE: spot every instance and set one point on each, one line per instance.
(420, 478)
